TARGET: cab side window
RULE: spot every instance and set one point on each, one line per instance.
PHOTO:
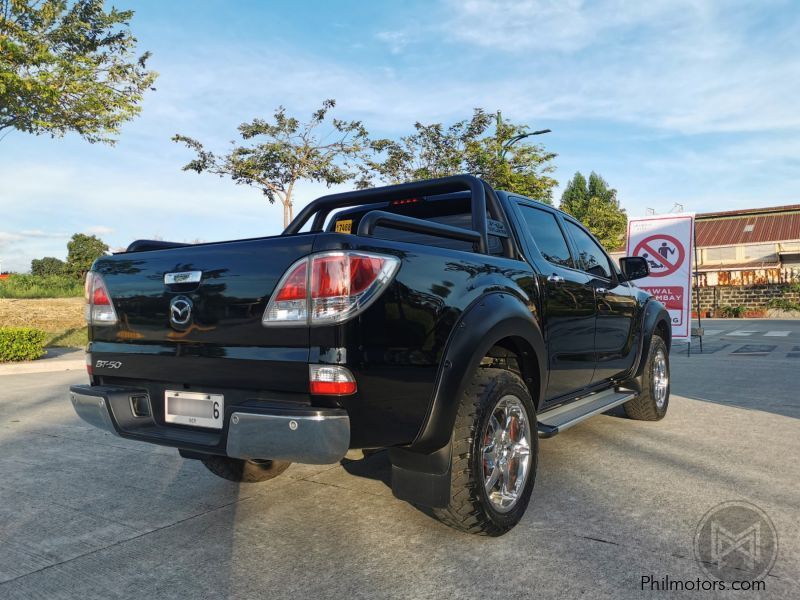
(547, 235)
(591, 257)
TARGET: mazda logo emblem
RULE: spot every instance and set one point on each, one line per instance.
(180, 310)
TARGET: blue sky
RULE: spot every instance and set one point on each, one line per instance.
(694, 102)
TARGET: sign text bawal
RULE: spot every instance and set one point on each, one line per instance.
(666, 242)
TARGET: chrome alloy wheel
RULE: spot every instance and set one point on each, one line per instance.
(660, 379)
(506, 453)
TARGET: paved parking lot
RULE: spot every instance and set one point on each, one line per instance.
(84, 514)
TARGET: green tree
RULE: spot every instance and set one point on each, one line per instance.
(596, 206)
(575, 199)
(48, 265)
(82, 251)
(284, 152)
(69, 67)
(467, 146)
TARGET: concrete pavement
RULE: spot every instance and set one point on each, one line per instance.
(56, 359)
(84, 514)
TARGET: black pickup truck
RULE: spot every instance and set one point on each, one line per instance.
(444, 320)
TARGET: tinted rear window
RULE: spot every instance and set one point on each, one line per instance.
(547, 235)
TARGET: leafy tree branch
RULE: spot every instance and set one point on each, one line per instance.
(279, 153)
(69, 67)
(467, 146)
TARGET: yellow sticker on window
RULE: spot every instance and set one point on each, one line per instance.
(344, 226)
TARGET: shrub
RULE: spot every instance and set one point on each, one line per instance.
(21, 343)
(731, 311)
(40, 286)
(783, 304)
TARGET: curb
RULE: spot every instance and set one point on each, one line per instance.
(43, 366)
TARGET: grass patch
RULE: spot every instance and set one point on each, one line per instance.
(70, 338)
(40, 286)
(61, 318)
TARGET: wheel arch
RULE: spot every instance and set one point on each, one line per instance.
(495, 320)
(664, 330)
(421, 472)
(526, 362)
(655, 319)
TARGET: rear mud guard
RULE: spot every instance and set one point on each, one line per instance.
(422, 479)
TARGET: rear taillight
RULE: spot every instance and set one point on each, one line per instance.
(99, 308)
(331, 380)
(289, 303)
(329, 287)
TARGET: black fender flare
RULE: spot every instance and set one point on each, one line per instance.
(654, 315)
(489, 319)
(421, 471)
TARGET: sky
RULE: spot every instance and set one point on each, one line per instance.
(689, 102)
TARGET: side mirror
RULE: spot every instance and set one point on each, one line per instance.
(634, 267)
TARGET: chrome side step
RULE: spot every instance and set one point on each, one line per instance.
(564, 416)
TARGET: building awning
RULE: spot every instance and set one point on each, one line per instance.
(744, 266)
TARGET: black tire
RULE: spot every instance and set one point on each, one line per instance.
(646, 407)
(244, 471)
(469, 508)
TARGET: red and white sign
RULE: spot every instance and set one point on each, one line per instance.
(666, 242)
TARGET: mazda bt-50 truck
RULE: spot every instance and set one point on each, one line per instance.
(446, 321)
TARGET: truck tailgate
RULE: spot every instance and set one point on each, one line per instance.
(236, 280)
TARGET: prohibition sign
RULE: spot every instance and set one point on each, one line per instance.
(663, 249)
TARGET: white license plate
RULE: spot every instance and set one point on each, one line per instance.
(193, 408)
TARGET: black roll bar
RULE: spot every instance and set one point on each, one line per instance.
(376, 217)
(321, 207)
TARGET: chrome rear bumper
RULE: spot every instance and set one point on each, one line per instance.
(304, 435)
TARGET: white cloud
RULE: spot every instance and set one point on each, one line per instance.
(17, 249)
(672, 70)
(395, 40)
(560, 25)
(98, 230)
(38, 233)
(682, 66)
(168, 204)
(7, 238)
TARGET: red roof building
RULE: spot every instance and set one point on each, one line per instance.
(744, 247)
(739, 247)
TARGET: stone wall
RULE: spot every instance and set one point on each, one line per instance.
(752, 297)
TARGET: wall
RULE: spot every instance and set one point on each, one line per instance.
(753, 297)
(786, 274)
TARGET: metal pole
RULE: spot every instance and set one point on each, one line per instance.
(519, 137)
(696, 284)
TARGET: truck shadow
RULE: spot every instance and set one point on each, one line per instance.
(613, 500)
(376, 466)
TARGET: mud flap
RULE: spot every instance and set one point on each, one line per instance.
(420, 478)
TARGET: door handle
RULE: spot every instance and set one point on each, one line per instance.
(555, 278)
(601, 290)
